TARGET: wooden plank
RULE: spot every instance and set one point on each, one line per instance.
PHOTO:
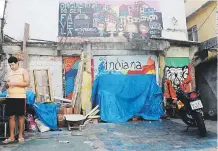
(93, 110)
(36, 88)
(95, 113)
(43, 87)
(33, 81)
(76, 101)
(62, 99)
(25, 39)
(50, 87)
(41, 69)
(93, 117)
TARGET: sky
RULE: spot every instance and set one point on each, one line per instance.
(2, 3)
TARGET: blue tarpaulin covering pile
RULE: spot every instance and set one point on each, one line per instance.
(121, 97)
(47, 113)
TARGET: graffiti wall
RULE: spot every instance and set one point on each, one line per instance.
(138, 64)
(70, 71)
(177, 74)
(129, 19)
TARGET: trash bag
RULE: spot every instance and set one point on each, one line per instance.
(47, 113)
(42, 127)
(32, 127)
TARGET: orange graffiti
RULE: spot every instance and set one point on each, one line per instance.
(145, 69)
(69, 62)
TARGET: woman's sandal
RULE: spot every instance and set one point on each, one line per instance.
(8, 140)
(21, 140)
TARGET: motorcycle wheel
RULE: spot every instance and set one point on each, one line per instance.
(186, 119)
(201, 125)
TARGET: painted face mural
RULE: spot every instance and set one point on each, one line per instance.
(140, 19)
(176, 75)
(144, 28)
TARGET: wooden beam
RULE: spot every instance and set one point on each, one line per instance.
(25, 39)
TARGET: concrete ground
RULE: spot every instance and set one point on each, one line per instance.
(167, 135)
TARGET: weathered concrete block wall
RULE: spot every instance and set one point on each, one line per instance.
(54, 64)
(50, 57)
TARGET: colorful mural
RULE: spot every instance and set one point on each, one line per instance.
(129, 19)
(177, 75)
(138, 64)
(70, 70)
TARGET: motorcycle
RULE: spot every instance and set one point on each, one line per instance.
(189, 108)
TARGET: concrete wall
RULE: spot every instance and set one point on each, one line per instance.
(177, 51)
(43, 18)
(54, 64)
(206, 25)
(192, 5)
(47, 57)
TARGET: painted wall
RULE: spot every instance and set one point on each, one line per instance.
(45, 25)
(177, 72)
(70, 72)
(132, 20)
(206, 26)
(138, 64)
(54, 64)
(192, 5)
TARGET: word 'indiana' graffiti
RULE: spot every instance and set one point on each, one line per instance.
(121, 65)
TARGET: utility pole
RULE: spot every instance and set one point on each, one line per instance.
(2, 27)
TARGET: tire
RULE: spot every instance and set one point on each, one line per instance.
(201, 124)
(187, 120)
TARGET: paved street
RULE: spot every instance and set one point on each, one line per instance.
(164, 135)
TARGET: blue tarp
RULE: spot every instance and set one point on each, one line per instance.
(121, 97)
(47, 113)
(30, 96)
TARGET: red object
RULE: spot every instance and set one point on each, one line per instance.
(186, 84)
(169, 90)
(193, 95)
(92, 69)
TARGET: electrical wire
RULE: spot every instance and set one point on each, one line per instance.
(207, 17)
